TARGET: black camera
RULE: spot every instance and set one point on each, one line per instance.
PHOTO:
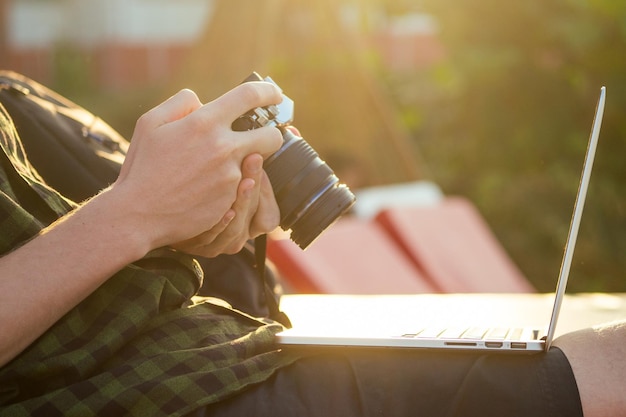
(308, 192)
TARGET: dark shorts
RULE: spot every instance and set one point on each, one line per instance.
(401, 383)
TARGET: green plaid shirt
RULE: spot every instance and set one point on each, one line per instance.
(139, 345)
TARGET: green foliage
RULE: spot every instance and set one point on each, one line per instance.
(71, 70)
(505, 118)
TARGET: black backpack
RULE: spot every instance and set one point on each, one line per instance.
(78, 154)
(74, 151)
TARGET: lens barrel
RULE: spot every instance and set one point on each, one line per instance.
(308, 193)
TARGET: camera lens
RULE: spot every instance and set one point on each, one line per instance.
(307, 191)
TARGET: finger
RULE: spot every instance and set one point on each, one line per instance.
(174, 108)
(221, 112)
(267, 215)
(243, 98)
(244, 206)
(238, 231)
(228, 240)
(294, 130)
(203, 244)
(248, 197)
(232, 239)
(264, 141)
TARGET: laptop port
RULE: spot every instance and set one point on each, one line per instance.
(518, 345)
(460, 343)
(493, 344)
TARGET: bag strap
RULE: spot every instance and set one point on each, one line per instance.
(260, 251)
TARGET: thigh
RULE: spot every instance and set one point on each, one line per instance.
(384, 383)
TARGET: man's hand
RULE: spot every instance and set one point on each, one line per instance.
(184, 169)
(255, 212)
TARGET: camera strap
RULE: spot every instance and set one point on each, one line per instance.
(260, 251)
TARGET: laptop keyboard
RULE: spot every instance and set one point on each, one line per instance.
(473, 333)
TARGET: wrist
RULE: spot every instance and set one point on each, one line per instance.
(117, 228)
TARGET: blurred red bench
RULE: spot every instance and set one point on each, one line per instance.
(439, 245)
(453, 247)
(353, 256)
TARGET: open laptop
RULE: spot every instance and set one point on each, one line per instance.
(473, 336)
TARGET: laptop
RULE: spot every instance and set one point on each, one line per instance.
(468, 336)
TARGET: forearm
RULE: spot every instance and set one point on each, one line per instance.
(45, 278)
(596, 356)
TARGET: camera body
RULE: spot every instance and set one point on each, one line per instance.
(308, 193)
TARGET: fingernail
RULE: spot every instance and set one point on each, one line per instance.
(229, 217)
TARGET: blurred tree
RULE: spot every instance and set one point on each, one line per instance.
(321, 63)
(502, 120)
(505, 121)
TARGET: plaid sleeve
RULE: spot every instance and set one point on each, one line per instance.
(138, 347)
